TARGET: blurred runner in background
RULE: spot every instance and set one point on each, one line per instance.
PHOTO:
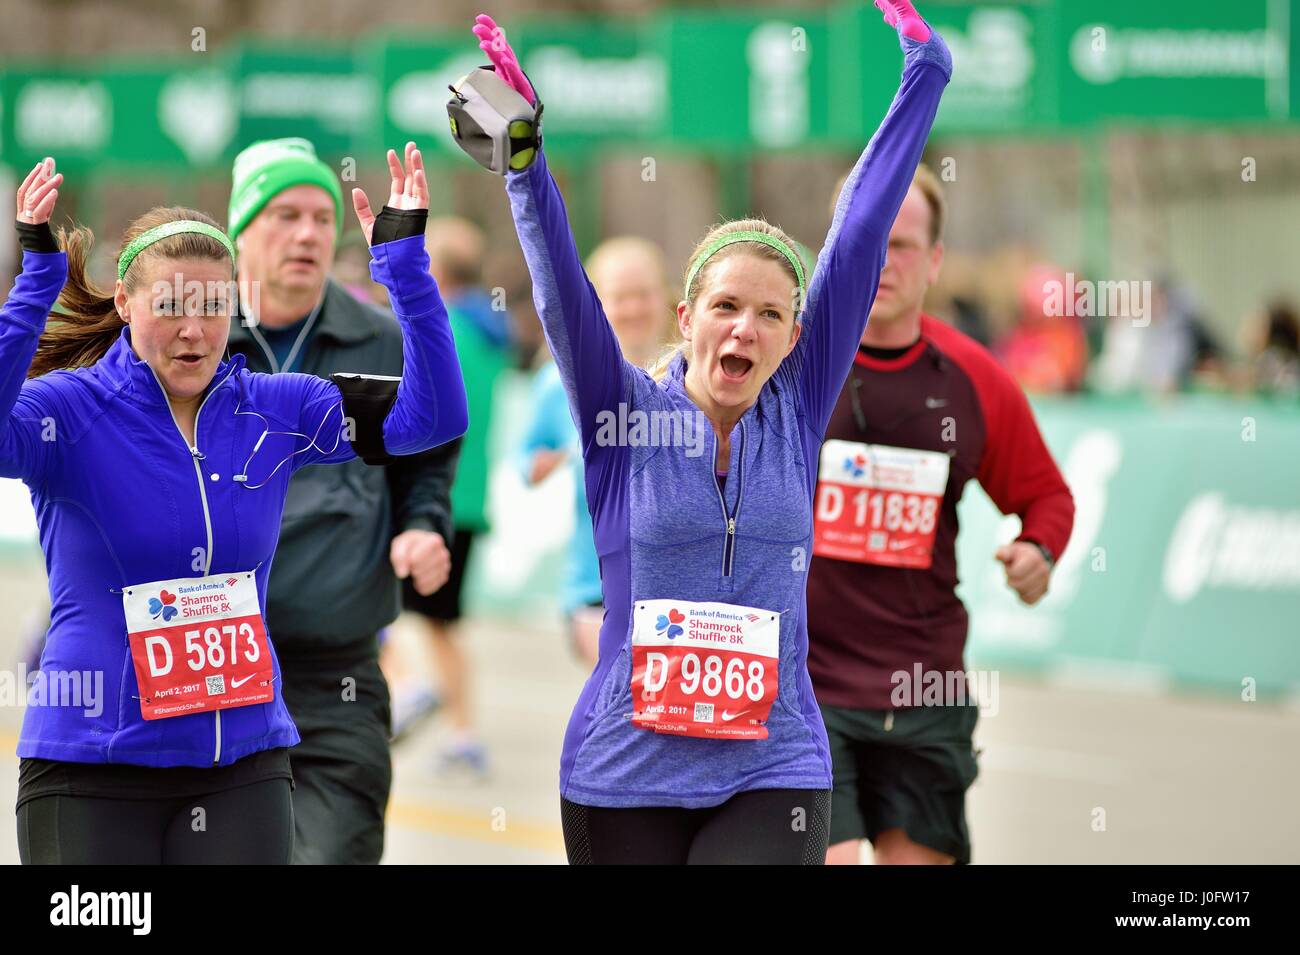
(924, 410)
(481, 324)
(632, 281)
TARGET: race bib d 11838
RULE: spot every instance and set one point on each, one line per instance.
(199, 644)
(704, 669)
(878, 505)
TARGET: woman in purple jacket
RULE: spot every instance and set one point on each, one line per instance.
(154, 730)
(697, 738)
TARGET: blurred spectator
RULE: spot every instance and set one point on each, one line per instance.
(1045, 352)
(1272, 342)
(1163, 353)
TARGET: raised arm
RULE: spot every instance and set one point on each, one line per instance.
(844, 283)
(586, 352)
(24, 448)
(429, 407)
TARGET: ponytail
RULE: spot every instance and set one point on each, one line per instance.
(85, 322)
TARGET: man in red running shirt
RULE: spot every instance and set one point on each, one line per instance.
(924, 410)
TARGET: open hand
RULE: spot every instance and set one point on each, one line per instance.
(38, 193)
(409, 190)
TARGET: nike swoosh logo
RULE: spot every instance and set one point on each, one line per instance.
(935, 402)
(727, 716)
(899, 545)
(236, 684)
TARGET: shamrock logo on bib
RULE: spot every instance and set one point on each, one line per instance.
(670, 623)
(162, 605)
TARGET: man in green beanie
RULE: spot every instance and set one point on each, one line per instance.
(349, 533)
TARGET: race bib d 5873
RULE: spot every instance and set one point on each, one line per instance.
(198, 644)
(878, 505)
(704, 669)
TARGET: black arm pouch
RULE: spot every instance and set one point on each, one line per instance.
(37, 237)
(367, 400)
(393, 224)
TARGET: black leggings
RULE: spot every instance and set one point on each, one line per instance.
(250, 825)
(760, 827)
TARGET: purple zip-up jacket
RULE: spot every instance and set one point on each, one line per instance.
(122, 499)
(661, 524)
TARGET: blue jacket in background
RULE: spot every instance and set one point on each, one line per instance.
(551, 427)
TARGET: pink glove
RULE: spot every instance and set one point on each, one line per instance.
(901, 14)
(492, 41)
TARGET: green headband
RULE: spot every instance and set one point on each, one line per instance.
(734, 237)
(166, 231)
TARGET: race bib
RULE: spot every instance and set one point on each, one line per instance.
(877, 504)
(199, 644)
(704, 669)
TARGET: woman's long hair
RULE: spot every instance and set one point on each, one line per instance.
(85, 323)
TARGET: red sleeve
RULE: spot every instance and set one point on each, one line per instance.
(1015, 468)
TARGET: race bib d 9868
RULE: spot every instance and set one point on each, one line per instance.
(878, 505)
(704, 669)
(199, 644)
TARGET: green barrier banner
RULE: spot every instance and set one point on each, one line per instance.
(603, 83)
(144, 119)
(1191, 60)
(1002, 79)
(319, 94)
(65, 112)
(1184, 565)
(769, 79)
(600, 84)
(744, 80)
(413, 80)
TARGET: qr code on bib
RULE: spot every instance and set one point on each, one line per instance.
(216, 684)
(704, 712)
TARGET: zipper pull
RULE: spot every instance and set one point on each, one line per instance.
(731, 526)
(198, 455)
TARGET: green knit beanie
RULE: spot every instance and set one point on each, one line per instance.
(265, 169)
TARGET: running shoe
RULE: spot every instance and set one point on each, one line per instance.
(464, 762)
(410, 710)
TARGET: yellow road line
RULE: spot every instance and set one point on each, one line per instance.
(456, 821)
(446, 820)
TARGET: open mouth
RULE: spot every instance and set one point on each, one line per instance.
(735, 367)
(189, 360)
